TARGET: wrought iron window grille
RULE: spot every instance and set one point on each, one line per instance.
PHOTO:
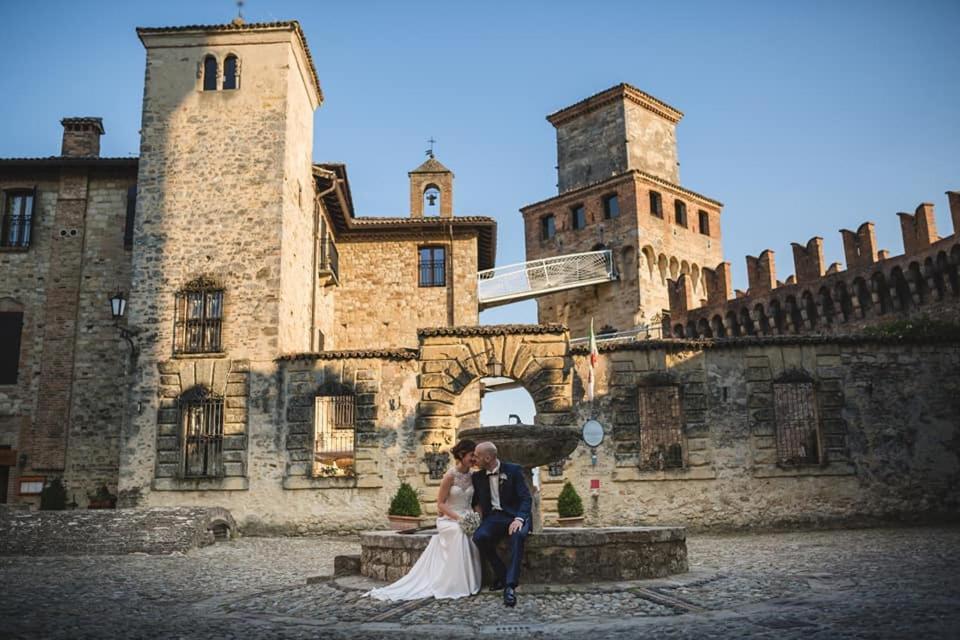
(199, 318)
(334, 437)
(661, 427)
(201, 423)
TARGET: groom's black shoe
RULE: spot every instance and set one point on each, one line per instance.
(510, 597)
(496, 585)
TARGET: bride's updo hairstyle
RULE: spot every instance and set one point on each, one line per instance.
(462, 448)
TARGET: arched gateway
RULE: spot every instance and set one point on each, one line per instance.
(452, 359)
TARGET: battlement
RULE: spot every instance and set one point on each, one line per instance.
(873, 288)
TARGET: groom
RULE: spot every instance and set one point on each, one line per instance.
(501, 494)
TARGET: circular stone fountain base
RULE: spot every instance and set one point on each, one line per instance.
(555, 556)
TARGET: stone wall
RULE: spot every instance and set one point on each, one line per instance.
(112, 532)
(886, 413)
(381, 273)
(65, 411)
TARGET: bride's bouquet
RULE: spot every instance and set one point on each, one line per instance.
(469, 522)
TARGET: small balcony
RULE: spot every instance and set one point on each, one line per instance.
(329, 267)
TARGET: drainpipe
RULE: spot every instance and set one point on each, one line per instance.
(318, 211)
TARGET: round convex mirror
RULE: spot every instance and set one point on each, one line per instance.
(592, 433)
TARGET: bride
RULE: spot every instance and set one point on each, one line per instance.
(450, 565)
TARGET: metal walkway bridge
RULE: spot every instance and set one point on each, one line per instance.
(525, 280)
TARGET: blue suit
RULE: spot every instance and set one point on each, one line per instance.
(515, 502)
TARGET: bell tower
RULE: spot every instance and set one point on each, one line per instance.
(431, 189)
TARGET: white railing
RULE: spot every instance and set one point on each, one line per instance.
(642, 332)
(525, 280)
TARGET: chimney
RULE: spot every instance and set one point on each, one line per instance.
(81, 137)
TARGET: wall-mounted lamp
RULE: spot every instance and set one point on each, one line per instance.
(118, 305)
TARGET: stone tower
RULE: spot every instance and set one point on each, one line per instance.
(431, 190)
(224, 234)
(619, 189)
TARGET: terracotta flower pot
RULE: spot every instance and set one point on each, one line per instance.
(576, 521)
(400, 523)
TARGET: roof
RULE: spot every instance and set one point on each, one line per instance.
(68, 161)
(333, 184)
(245, 26)
(431, 165)
(493, 330)
(384, 354)
(607, 96)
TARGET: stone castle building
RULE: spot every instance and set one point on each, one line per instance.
(293, 362)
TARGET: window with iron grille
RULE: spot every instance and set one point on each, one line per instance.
(11, 326)
(611, 206)
(680, 212)
(201, 423)
(797, 423)
(661, 427)
(656, 204)
(333, 436)
(17, 222)
(433, 267)
(578, 217)
(199, 318)
(548, 227)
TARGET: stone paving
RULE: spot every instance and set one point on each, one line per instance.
(871, 583)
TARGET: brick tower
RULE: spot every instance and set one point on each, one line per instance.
(619, 189)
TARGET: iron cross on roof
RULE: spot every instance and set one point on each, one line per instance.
(430, 150)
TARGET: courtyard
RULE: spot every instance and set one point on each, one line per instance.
(866, 583)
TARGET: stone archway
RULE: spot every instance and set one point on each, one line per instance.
(451, 359)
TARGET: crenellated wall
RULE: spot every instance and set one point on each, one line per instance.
(873, 289)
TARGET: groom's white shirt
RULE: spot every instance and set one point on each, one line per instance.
(493, 477)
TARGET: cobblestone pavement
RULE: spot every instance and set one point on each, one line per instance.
(876, 583)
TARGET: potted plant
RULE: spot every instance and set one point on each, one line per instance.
(102, 499)
(404, 510)
(569, 507)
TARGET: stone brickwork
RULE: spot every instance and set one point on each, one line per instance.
(556, 556)
(379, 272)
(612, 132)
(62, 418)
(923, 281)
(648, 250)
(885, 411)
(110, 532)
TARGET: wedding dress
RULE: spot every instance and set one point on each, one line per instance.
(450, 565)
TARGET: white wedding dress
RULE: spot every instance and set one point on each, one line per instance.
(450, 565)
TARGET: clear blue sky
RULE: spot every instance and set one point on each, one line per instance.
(801, 117)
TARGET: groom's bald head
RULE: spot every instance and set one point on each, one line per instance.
(486, 453)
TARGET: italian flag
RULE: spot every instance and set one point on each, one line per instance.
(594, 355)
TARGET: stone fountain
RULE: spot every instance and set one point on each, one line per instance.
(529, 446)
(552, 556)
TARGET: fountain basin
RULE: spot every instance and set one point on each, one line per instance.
(554, 556)
(529, 445)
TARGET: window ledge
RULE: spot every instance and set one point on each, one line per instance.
(14, 249)
(195, 356)
(633, 474)
(831, 469)
(304, 482)
(201, 484)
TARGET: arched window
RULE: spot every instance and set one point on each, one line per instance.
(231, 72)
(209, 73)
